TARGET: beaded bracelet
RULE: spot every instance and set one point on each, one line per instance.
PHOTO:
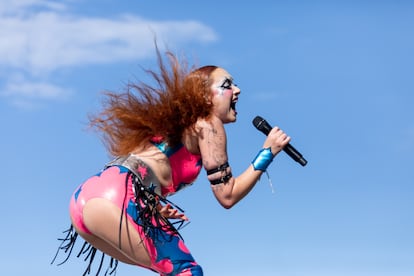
(263, 159)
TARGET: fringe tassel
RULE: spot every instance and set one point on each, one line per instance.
(149, 218)
(67, 245)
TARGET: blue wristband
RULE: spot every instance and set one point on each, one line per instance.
(263, 159)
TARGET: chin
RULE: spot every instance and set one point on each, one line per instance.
(232, 120)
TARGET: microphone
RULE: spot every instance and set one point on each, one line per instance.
(262, 125)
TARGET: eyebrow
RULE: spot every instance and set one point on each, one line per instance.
(227, 79)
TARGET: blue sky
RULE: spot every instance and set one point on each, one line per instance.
(337, 76)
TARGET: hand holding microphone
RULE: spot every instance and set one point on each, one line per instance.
(262, 125)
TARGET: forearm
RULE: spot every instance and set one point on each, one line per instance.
(228, 194)
(244, 183)
(236, 188)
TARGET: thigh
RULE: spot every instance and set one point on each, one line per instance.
(159, 250)
(172, 255)
(122, 241)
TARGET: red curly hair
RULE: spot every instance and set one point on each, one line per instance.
(180, 97)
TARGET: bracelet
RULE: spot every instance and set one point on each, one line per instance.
(263, 159)
(223, 179)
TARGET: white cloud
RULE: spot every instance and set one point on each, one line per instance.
(48, 41)
(33, 95)
(40, 37)
(20, 6)
(34, 90)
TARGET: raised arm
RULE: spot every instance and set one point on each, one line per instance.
(229, 189)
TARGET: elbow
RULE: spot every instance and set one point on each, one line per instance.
(227, 203)
(227, 206)
(226, 196)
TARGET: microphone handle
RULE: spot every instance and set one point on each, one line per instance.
(294, 154)
(262, 125)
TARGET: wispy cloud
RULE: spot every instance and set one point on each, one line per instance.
(40, 37)
(32, 95)
(20, 7)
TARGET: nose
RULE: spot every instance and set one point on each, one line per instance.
(236, 90)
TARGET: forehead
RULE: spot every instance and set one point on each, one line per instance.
(220, 74)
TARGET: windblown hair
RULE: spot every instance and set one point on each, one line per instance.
(179, 98)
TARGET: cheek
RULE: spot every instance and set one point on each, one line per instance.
(228, 93)
(223, 92)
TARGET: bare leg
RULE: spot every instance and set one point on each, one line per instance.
(102, 219)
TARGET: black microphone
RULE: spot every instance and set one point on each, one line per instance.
(262, 125)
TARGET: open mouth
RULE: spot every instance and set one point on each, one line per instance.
(233, 106)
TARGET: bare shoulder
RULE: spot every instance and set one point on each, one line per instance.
(211, 126)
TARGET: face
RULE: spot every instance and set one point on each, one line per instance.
(225, 95)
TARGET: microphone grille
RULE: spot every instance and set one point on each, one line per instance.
(257, 121)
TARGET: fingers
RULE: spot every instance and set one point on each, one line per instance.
(277, 139)
(164, 209)
(168, 211)
(279, 135)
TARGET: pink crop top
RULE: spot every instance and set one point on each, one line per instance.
(185, 166)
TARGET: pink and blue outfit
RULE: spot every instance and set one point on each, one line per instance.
(131, 184)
